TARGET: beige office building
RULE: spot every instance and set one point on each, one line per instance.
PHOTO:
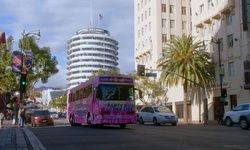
(222, 24)
(157, 21)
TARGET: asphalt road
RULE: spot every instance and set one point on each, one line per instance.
(143, 137)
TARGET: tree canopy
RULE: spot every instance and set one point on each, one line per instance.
(44, 65)
(185, 60)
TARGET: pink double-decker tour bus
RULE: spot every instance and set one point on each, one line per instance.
(104, 99)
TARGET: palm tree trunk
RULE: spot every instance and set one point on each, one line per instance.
(185, 110)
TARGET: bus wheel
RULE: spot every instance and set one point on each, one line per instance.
(89, 121)
(122, 126)
(72, 121)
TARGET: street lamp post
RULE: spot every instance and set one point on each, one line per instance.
(222, 99)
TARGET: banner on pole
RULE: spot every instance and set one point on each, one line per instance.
(28, 61)
(17, 62)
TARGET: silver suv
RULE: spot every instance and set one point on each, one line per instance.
(239, 115)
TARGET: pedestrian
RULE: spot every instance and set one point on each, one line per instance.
(20, 117)
(1, 119)
(219, 117)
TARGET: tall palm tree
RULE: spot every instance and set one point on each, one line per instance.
(185, 60)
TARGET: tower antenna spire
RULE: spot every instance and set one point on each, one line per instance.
(91, 16)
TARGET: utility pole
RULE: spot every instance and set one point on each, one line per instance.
(222, 91)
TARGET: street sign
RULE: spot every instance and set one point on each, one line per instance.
(151, 74)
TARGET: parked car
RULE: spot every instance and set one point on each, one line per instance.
(239, 115)
(63, 115)
(54, 115)
(27, 117)
(157, 115)
(41, 117)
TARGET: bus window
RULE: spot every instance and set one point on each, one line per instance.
(115, 92)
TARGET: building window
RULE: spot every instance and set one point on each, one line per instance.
(171, 9)
(139, 33)
(203, 32)
(211, 29)
(138, 7)
(183, 11)
(172, 37)
(231, 69)
(149, 26)
(201, 8)
(230, 41)
(145, 2)
(172, 24)
(210, 4)
(149, 11)
(141, 3)
(229, 19)
(141, 17)
(164, 23)
(142, 31)
(221, 44)
(163, 8)
(138, 20)
(219, 23)
(146, 14)
(164, 38)
(184, 25)
(146, 28)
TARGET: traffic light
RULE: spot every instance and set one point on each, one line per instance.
(141, 70)
(15, 99)
(23, 83)
(223, 92)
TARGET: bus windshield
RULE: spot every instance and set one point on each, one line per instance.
(115, 92)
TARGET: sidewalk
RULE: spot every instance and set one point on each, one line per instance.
(12, 138)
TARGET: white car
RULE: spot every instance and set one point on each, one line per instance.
(157, 115)
(54, 115)
(239, 115)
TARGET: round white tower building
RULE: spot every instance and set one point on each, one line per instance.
(90, 50)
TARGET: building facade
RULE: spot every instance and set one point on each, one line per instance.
(224, 21)
(155, 23)
(90, 50)
(222, 25)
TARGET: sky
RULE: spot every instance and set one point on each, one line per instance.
(58, 21)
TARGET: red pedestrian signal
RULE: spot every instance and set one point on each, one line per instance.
(15, 99)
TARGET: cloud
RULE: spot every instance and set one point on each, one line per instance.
(58, 21)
